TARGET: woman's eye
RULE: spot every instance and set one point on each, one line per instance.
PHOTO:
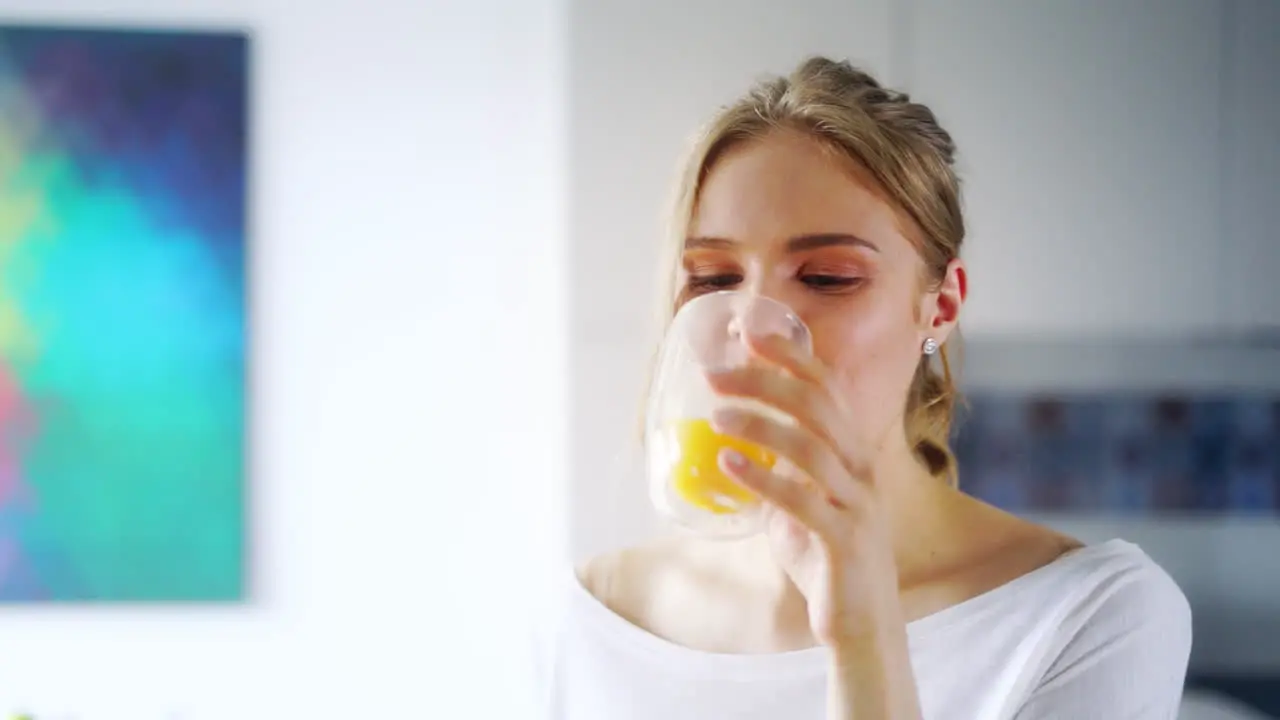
(829, 282)
(714, 282)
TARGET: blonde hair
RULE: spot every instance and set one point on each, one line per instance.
(910, 156)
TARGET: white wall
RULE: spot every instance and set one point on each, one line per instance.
(1120, 171)
(409, 371)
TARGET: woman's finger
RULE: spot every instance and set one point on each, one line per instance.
(809, 404)
(814, 456)
(799, 500)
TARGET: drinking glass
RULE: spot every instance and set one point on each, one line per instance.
(686, 483)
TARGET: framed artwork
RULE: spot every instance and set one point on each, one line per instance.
(123, 229)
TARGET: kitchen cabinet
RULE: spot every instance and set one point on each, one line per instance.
(1251, 178)
(1091, 142)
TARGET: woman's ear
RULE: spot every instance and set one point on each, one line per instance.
(942, 306)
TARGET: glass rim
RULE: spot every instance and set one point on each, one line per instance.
(788, 312)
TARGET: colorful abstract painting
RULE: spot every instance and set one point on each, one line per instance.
(122, 314)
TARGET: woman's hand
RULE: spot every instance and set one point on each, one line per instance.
(831, 535)
(827, 526)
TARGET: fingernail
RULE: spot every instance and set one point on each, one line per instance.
(716, 373)
(734, 459)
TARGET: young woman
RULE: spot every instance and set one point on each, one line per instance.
(880, 590)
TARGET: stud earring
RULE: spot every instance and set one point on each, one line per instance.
(930, 346)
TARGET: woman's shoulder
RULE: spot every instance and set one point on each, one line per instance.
(1039, 567)
(1122, 638)
(1105, 605)
(1119, 583)
(1096, 583)
(1101, 575)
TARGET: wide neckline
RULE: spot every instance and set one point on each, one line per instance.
(813, 661)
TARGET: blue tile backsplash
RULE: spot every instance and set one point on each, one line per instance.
(1122, 453)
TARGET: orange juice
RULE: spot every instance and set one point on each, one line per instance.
(697, 477)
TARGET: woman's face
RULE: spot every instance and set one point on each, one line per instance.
(783, 218)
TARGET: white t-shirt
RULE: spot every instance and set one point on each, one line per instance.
(1102, 633)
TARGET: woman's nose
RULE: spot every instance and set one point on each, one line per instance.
(758, 315)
